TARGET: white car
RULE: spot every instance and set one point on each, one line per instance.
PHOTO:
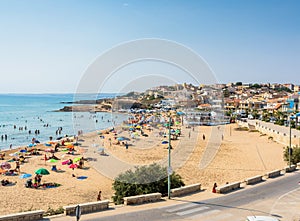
(261, 218)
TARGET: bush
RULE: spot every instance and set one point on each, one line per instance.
(144, 180)
(295, 155)
(51, 212)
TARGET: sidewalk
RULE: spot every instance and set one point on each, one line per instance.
(120, 209)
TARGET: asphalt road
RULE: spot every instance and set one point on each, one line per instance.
(279, 197)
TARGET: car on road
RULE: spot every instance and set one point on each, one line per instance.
(261, 218)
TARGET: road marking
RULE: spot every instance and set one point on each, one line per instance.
(221, 216)
(211, 212)
(192, 210)
(181, 207)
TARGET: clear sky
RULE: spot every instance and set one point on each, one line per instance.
(45, 46)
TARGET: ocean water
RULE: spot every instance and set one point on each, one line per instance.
(37, 112)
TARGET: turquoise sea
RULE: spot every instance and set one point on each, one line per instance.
(21, 114)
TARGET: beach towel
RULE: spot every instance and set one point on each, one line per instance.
(82, 177)
(65, 162)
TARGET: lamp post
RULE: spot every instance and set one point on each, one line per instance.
(290, 143)
(169, 160)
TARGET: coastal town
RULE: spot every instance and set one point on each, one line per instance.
(208, 104)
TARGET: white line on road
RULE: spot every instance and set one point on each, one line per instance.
(192, 210)
(221, 217)
(211, 212)
(181, 207)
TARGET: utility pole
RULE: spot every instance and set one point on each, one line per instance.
(169, 161)
(290, 145)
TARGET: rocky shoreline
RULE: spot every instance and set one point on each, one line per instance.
(84, 108)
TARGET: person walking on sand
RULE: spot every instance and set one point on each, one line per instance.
(99, 196)
(203, 137)
(214, 188)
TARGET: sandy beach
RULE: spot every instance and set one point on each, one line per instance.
(241, 154)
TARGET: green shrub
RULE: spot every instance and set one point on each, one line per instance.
(144, 180)
(51, 212)
(295, 155)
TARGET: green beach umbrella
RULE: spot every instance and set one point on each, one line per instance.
(52, 161)
(42, 171)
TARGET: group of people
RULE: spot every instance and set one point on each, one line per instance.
(5, 182)
(4, 137)
(36, 182)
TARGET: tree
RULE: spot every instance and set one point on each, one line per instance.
(295, 154)
(144, 180)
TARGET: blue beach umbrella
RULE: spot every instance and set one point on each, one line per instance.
(180, 113)
(164, 142)
(23, 151)
(120, 138)
(31, 145)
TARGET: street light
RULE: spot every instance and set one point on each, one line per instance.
(290, 144)
(169, 161)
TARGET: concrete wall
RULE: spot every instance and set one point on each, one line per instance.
(253, 180)
(281, 134)
(185, 190)
(152, 197)
(274, 173)
(87, 207)
(228, 187)
(24, 216)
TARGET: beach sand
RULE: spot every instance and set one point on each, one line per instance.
(242, 154)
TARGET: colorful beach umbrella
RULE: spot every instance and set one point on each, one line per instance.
(52, 161)
(25, 175)
(49, 150)
(42, 171)
(5, 165)
(121, 138)
(164, 142)
(31, 145)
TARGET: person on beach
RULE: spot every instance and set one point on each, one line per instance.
(203, 137)
(214, 190)
(99, 196)
(81, 163)
(17, 167)
(2, 155)
(70, 161)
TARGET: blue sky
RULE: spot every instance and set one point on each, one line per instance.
(46, 46)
